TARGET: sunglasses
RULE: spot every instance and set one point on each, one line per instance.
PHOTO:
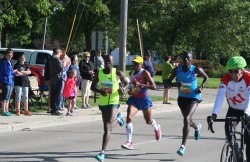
(234, 71)
(87, 56)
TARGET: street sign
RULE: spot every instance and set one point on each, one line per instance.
(96, 40)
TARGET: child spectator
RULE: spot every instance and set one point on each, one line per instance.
(69, 91)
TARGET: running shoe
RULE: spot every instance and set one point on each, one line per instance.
(127, 145)
(197, 133)
(120, 119)
(100, 157)
(158, 133)
(181, 151)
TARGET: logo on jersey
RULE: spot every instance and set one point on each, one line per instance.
(237, 99)
(221, 86)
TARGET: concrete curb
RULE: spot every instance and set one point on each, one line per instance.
(39, 120)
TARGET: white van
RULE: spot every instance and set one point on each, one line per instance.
(33, 56)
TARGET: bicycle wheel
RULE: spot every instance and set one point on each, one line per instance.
(228, 153)
(238, 153)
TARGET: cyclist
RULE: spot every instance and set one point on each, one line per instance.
(235, 85)
(189, 95)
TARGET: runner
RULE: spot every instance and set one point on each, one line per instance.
(189, 95)
(141, 81)
(107, 81)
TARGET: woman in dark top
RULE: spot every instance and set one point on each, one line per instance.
(86, 68)
(21, 84)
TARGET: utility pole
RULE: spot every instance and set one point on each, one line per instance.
(123, 35)
(44, 34)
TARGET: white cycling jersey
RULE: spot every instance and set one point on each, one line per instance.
(237, 93)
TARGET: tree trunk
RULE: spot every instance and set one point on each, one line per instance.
(169, 45)
(3, 38)
(87, 34)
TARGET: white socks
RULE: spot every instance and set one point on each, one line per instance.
(154, 124)
(129, 129)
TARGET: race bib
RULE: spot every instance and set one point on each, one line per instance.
(185, 88)
(107, 86)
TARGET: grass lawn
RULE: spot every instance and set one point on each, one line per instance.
(212, 82)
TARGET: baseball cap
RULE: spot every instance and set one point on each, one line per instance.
(138, 59)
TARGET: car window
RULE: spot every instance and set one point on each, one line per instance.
(42, 58)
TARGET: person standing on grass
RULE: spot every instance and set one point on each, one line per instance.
(106, 83)
(64, 57)
(6, 75)
(189, 95)
(47, 81)
(56, 81)
(22, 84)
(98, 61)
(86, 68)
(147, 65)
(69, 91)
(167, 69)
(74, 66)
(140, 81)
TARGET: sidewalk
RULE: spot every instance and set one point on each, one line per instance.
(38, 120)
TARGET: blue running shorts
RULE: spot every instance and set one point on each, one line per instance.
(140, 103)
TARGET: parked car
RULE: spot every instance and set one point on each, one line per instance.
(36, 60)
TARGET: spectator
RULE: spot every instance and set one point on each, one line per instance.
(67, 61)
(69, 91)
(6, 74)
(147, 65)
(56, 68)
(167, 68)
(87, 73)
(47, 81)
(74, 66)
(22, 84)
(98, 61)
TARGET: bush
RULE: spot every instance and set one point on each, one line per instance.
(218, 72)
(158, 69)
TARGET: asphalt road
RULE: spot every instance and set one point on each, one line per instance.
(82, 141)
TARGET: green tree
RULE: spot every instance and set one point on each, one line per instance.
(19, 18)
(90, 16)
(216, 27)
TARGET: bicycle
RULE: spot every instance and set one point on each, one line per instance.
(232, 151)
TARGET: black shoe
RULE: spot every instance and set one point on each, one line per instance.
(57, 113)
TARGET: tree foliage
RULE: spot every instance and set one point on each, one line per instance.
(211, 28)
(19, 18)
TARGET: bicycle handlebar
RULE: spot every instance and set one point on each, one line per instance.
(210, 121)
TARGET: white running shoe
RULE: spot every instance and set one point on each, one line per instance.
(127, 145)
